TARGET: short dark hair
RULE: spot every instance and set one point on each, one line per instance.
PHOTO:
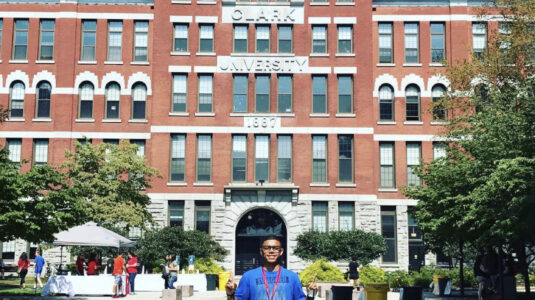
(272, 237)
(354, 258)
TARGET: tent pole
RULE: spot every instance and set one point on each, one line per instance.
(60, 256)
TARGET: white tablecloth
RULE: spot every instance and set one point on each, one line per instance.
(103, 284)
(81, 285)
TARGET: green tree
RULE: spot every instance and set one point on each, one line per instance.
(340, 245)
(36, 204)
(157, 243)
(112, 179)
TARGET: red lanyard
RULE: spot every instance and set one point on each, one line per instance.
(267, 286)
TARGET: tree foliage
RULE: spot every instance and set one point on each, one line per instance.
(325, 273)
(157, 243)
(112, 178)
(36, 204)
(340, 245)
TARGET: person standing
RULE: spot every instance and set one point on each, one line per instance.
(23, 264)
(39, 263)
(131, 267)
(353, 270)
(118, 269)
(2, 268)
(80, 261)
(270, 281)
(92, 266)
(172, 270)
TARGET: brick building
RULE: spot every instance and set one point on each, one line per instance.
(263, 117)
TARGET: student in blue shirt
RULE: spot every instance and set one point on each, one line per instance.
(39, 262)
(270, 281)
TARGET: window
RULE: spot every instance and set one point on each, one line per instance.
(16, 105)
(413, 160)
(141, 40)
(113, 94)
(345, 94)
(8, 250)
(14, 146)
(84, 141)
(261, 167)
(206, 37)
(46, 47)
(439, 111)
(240, 38)
(285, 39)
(385, 43)
(111, 141)
(285, 93)
(89, 39)
(1, 30)
(319, 94)
(115, 37)
(202, 216)
(284, 158)
(412, 103)
(239, 157)
(176, 213)
(140, 147)
(320, 214)
(388, 230)
(345, 39)
(414, 232)
(438, 42)
(345, 158)
(180, 84)
(346, 216)
(85, 95)
(139, 101)
(479, 38)
(262, 93)
(204, 157)
(262, 38)
(44, 91)
(439, 150)
(205, 93)
(20, 40)
(181, 38)
(40, 152)
(178, 154)
(319, 39)
(386, 103)
(240, 84)
(386, 161)
(411, 43)
(319, 158)
(504, 31)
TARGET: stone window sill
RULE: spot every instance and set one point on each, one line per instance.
(178, 53)
(387, 190)
(111, 121)
(319, 3)
(412, 65)
(345, 115)
(440, 123)
(140, 63)
(180, 2)
(319, 54)
(42, 120)
(344, 3)
(177, 184)
(436, 65)
(345, 55)
(413, 123)
(386, 123)
(346, 185)
(319, 115)
(179, 114)
(386, 65)
(113, 62)
(15, 120)
(205, 114)
(139, 121)
(45, 62)
(205, 54)
(87, 62)
(84, 120)
(203, 184)
(14, 61)
(319, 184)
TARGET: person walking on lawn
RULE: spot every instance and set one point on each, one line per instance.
(39, 263)
(118, 269)
(23, 264)
(270, 281)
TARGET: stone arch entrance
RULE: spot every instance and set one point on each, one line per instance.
(252, 228)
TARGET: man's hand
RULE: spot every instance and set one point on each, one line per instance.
(230, 287)
(312, 286)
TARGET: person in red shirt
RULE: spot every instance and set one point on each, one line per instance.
(131, 267)
(80, 261)
(118, 269)
(92, 266)
(23, 264)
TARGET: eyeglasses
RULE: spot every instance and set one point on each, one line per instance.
(271, 248)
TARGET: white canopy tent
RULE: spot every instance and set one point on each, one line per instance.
(92, 235)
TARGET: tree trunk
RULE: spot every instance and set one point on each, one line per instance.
(461, 267)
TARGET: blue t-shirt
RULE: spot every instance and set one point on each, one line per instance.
(39, 263)
(252, 285)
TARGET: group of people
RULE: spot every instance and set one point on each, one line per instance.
(120, 267)
(487, 271)
(93, 265)
(23, 265)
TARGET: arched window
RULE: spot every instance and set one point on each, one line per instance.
(439, 111)
(139, 101)
(86, 91)
(16, 98)
(44, 91)
(386, 103)
(113, 95)
(412, 103)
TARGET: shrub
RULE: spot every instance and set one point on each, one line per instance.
(325, 271)
(174, 240)
(424, 277)
(397, 279)
(340, 245)
(371, 274)
(469, 277)
(207, 266)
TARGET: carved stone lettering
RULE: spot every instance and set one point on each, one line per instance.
(262, 64)
(263, 14)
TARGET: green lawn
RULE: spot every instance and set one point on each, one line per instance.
(10, 286)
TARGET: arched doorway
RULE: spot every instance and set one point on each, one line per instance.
(252, 228)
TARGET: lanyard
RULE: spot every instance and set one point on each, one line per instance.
(267, 286)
